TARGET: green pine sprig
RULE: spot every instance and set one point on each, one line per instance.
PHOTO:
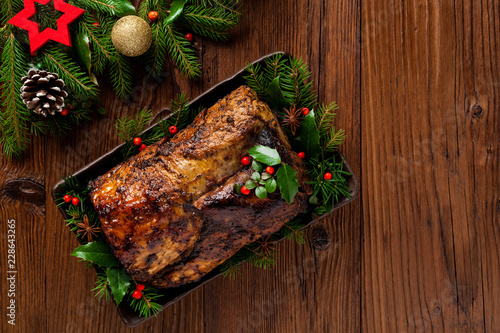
(146, 305)
(330, 137)
(181, 52)
(102, 286)
(121, 74)
(14, 116)
(212, 22)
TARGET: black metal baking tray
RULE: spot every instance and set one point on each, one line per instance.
(114, 157)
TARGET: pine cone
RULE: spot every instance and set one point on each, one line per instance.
(43, 92)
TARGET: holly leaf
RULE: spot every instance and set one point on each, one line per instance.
(275, 97)
(261, 192)
(176, 10)
(119, 282)
(308, 136)
(287, 181)
(266, 155)
(96, 252)
(271, 185)
(114, 7)
(82, 47)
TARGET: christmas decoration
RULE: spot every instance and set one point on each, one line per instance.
(132, 36)
(38, 39)
(246, 160)
(43, 92)
(302, 155)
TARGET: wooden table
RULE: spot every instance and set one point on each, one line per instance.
(418, 85)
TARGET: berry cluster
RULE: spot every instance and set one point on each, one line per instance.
(70, 199)
(137, 294)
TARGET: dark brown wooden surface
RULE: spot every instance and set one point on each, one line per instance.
(418, 85)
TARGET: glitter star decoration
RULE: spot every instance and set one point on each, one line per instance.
(39, 39)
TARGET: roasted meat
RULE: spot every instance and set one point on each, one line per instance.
(170, 214)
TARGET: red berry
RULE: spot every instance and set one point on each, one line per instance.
(327, 176)
(140, 287)
(305, 111)
(137, 141)
(302, 155)
(189, 37)
(75, 201)
(246, 160)
(142, 147)
(153, 15)
(173, 129)
(64, 112)
(70, 107)
(270, 170)
(95, 24)
(136, 294)
(245, 191)
(68, 198)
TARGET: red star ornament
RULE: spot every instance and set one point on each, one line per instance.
(39, 39)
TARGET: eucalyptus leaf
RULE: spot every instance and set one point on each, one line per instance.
(275, 97)
(96, 252)
(261, 192)
(176, 10)
(266, 155)
(119, 282)
(256, 176)
(250, 184)
(257, 166)
(308, 136)
(271, 185)
(287, 181)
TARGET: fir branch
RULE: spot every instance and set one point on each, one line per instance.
(146, 306)
(127, 128)
(155, 57)
(330, 137)
(181, 52)
(109, 7)
(121, 75)
(101, 288)
(255, 80)
(57, 60)
(100, 43)
(299, 85)
(214, 23)
(15, 115)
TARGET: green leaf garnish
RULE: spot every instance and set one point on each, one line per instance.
(256, 176)
(287, 182)
(266, 155)
(275, 96)
(96, 252)
(175, 11)
(119, 282)
(261, 192)
(271, 185)
(250, 184)
(308, 136)
(257, 166)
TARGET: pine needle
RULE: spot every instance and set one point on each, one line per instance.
(121, 75)
(214, 23)
(181, 52)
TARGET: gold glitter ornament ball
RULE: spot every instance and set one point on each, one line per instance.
(132, 36)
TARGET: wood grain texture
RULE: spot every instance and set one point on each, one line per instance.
(418, 85)
(430, 166)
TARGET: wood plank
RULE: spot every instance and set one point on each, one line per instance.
(430, 170)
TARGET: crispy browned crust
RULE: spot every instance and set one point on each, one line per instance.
(164, 208)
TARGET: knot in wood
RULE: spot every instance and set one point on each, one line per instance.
(320, 238)
(477, 111)
(25, 190)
